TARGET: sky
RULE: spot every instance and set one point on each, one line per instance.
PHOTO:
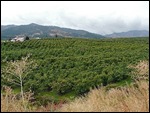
(102, 17)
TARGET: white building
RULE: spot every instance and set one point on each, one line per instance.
(18, 39)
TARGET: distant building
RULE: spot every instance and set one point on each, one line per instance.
(19, 38)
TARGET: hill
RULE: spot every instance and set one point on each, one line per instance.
(133, 33)
(35, 30)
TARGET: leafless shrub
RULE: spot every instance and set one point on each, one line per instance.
(16, 72)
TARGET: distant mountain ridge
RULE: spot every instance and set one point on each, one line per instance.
(3, 27)
(35, 30)
(132, 33)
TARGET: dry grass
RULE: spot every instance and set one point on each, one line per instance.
(51, 107)
(142, 70)
(115, 100)
(11, 102)
(134, 98)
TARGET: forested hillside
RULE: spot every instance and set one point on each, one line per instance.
(34, 30)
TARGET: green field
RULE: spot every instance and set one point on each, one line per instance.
(68, 67)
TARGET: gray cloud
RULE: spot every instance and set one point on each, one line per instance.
(91, 16)
(101, 25)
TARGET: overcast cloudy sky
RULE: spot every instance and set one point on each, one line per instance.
(101, 17)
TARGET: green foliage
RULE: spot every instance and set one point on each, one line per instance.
(67, 65)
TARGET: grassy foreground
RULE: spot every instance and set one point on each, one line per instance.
(131, 99)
